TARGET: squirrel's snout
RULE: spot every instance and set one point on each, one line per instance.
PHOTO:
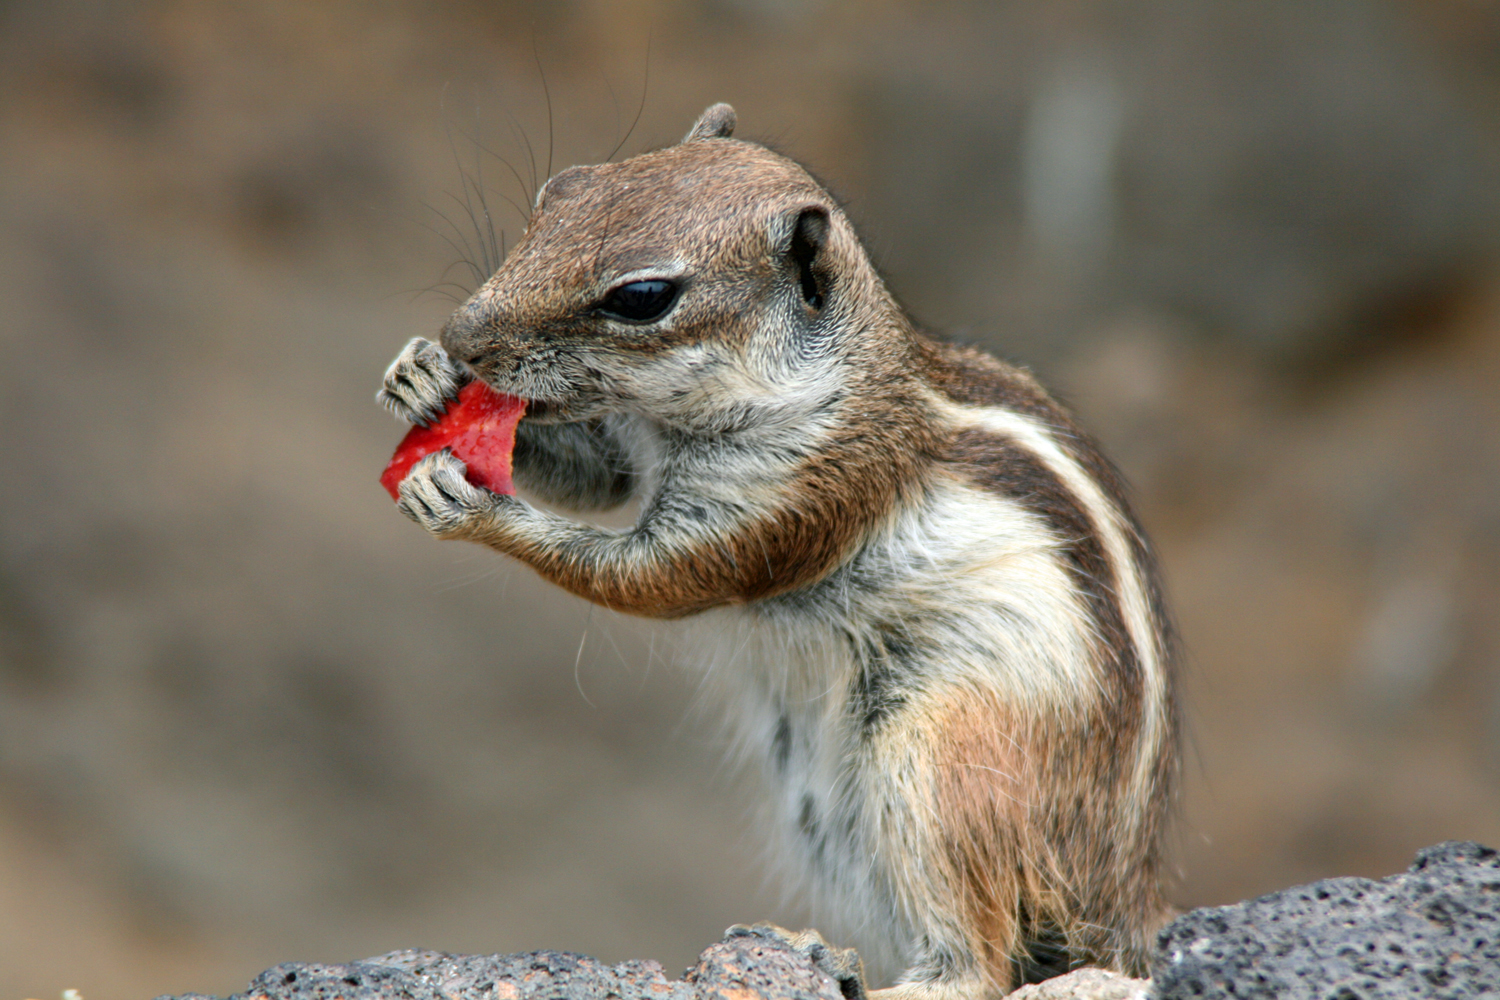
(467, 336)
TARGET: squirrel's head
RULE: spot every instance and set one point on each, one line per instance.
(703, 285)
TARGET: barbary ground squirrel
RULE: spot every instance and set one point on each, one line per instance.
(934, 618)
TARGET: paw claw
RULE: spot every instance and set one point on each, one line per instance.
(420, 382)
(436, 495)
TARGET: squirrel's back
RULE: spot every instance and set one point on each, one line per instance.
(982, 695)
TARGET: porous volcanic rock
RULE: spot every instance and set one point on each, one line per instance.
(741, 967)
(1085, 984)
(1431, 932)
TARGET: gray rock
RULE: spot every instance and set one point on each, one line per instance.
(1085, 984)
(1433, 931)
(741, 967)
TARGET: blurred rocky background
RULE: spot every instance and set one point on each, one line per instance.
(248, 714)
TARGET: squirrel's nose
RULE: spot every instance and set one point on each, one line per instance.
(463, 336)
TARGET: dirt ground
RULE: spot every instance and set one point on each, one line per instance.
(249, 714)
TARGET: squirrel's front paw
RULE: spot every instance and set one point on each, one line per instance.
(436, 495)
(420, 382)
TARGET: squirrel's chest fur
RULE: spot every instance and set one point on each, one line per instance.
(998, 612)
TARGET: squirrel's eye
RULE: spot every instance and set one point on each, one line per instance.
(640, 301)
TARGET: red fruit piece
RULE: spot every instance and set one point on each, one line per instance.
(480, 428)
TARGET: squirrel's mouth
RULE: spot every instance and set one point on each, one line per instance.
(553, 410)
(541, 411)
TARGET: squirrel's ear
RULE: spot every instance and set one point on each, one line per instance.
(809, 237)
(715, 123)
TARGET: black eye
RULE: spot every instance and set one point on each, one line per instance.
(640, 301)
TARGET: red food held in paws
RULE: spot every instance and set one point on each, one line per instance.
(479, 427)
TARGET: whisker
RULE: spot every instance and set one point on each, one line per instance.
(516, 129)
(520, 181)
(645, 85)
(464, 181)
(547, 95)
(465, 252)
(577, 682)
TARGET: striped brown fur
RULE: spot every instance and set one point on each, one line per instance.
(917, 583)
